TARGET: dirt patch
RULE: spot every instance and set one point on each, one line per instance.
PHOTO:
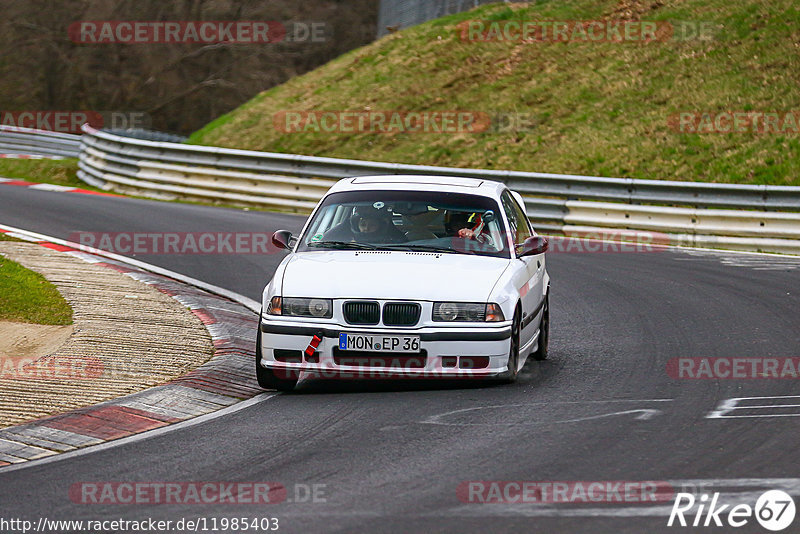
(23, 340)
(634, 9)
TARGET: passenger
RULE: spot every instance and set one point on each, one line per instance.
(466, 225)
(456, 223)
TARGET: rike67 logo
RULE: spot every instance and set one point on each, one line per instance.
(774, 510)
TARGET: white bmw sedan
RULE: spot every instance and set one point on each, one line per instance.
(407, 277)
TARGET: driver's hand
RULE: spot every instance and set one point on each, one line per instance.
(466, 233)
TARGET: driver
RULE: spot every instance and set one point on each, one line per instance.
(367, 225)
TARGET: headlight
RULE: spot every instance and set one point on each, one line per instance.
(467, 311)
(301, 307)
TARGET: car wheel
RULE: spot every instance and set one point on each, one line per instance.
(267, 378)
(544, 332)
(510, 376)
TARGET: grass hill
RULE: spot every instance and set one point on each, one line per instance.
(597, 108)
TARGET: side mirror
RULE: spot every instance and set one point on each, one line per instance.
(282, 239)
(534, 245)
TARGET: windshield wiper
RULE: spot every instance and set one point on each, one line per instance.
(425, 248)
(343, 245)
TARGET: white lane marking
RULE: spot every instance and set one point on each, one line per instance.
(22, 237)
(742, 253)
(644, 413)
(258, 399)
(249, 303)
(757, 261)
(52, 187)
(28, 156)
(727, 406)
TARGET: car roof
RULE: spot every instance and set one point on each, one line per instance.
(455, 184)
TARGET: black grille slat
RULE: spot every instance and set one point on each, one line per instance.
(380, 359)
(362, 312)
(401, 313)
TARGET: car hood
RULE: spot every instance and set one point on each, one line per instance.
(392, 275)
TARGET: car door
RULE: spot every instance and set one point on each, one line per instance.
(529, 272)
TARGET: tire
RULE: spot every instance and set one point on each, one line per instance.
(544, 332)
(267, 378)
(510, 376)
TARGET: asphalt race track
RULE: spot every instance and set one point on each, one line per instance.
(390, 457)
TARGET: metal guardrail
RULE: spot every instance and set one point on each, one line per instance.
(747, 217)
(170, 170)
(28, 141)
(147, 135)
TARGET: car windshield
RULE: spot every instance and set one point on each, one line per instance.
(426, 221)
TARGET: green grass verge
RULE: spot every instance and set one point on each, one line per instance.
(26, 297)
(47, 171)
(599, 108)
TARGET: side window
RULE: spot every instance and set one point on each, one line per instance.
(523, 224)
(510, 215)
(516, 227)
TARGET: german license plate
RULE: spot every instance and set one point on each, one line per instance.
(379, 343)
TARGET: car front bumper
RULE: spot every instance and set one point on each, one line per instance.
(445, 352)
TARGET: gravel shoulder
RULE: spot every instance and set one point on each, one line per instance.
(127, 336)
